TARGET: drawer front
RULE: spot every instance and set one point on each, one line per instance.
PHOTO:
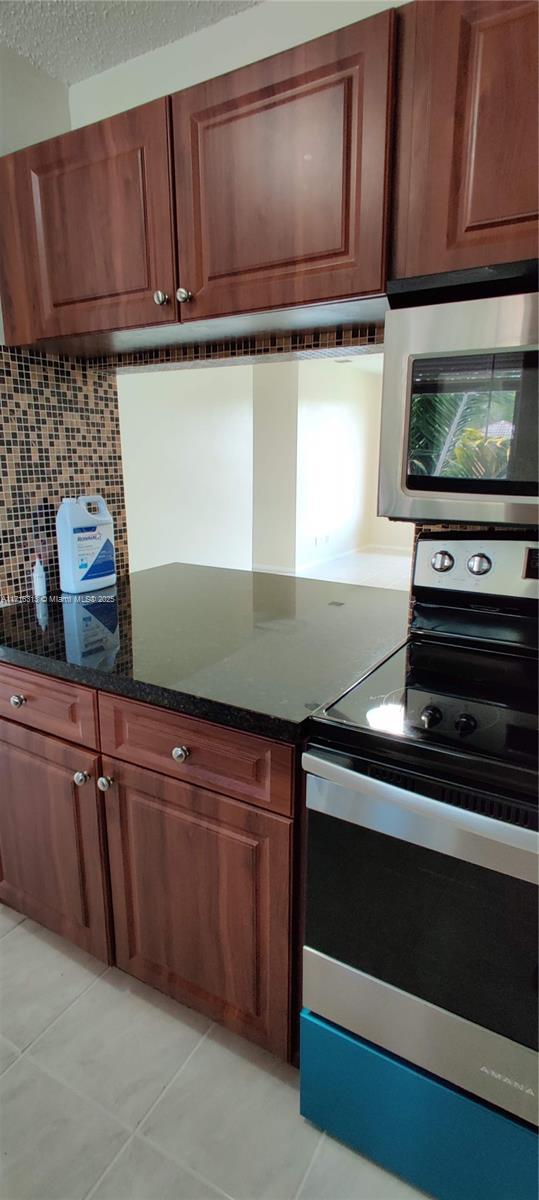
(51, 705)
(238, 764)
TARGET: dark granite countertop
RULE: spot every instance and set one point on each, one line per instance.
(251, 650)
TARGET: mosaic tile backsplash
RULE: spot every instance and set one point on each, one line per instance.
(59, 436)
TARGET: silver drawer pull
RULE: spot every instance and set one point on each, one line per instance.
(80, 778)
(180, 753)
(17, 701)
(104, 783)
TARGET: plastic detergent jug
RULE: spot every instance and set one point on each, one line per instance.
(85, 536)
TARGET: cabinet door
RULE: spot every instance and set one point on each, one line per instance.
(200, 890)
(86, 233)
(467, 146)
(51, 837)
(281, 175)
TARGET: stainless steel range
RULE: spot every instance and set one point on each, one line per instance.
(421, 926)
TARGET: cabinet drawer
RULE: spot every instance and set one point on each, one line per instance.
(238, 764)
(51, 705)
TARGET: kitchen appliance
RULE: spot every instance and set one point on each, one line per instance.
(460, 437)
(420, 955)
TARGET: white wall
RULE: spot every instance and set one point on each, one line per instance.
(330, 491)
(187, 447)
(374, 530)
(339, 411)
(33, 106)
(275, 419)
(237, 40)
(273, 466)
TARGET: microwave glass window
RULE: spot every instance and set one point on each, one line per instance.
(473, 424)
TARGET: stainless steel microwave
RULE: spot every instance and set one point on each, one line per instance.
(460, 437)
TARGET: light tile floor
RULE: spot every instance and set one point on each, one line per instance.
(371, 567)
(111, 1091)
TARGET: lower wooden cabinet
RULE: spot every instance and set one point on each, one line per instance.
(52, 851)
(180, 885)
(201, 899)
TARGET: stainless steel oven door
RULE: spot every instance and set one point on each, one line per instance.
(459, 334)
(421, 931)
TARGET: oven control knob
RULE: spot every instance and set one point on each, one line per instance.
(430, 717)
(442, 561)
(465, 724)
(479, 564)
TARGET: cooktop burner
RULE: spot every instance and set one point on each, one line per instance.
(481, 702)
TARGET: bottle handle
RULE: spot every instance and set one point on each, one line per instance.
(98, 500)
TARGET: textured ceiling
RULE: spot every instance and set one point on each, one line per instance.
(72, 39)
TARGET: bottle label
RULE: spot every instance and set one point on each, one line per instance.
(95, 553)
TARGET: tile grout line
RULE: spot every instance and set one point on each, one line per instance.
(133, 1132)
(310, 1166)
(26, 1050)
(81, 1095)
(136, 1130)
(13, 927)
(178, 1162)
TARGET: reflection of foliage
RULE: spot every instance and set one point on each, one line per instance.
(449, 434)
(478, 457)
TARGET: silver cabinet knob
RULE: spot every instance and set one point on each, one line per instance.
(104, 783)
(17, 701)
(180, 753)
(442, 561)
(479, 564)
(184, 296)
(80, 778)
(160, 297)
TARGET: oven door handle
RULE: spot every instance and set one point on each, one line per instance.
(350, 796)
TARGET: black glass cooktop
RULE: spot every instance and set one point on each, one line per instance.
(480, 702)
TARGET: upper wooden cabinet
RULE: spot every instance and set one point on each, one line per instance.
(268, 188)
(467, 148)
(281, 176)
(86, 229)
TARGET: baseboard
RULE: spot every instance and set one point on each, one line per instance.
(273, 570)
(376, 548)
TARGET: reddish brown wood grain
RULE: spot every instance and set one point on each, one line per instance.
(55, 706)
(52, 839)
(86, 230)
(201, 897)
(467, 147)
(243, 766)
(281, 175)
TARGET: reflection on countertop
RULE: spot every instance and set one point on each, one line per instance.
(248, 649)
